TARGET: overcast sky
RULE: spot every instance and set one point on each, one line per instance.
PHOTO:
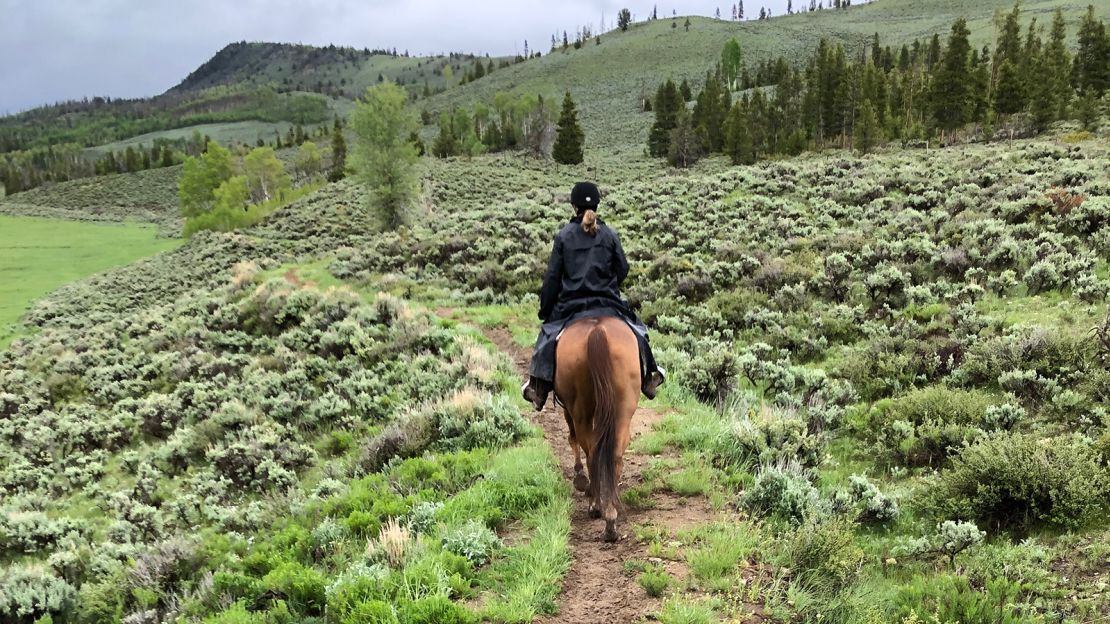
(53, 50)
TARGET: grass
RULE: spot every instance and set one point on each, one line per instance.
(679, 611)
(530, 575)
(720, 549)
(655, 581)
(38, 255)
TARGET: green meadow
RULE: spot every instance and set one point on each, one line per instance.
(38, 255)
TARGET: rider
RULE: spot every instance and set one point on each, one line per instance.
(583, 280)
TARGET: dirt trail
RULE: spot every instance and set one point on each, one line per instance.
(596, 589)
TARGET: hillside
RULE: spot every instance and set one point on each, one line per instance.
(335, 71)
(607, 80)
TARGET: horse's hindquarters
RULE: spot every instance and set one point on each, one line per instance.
(597, 378)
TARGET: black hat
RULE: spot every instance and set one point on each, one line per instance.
(585, 195)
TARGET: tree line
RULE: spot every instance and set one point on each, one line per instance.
(510, 123)
(922, 90)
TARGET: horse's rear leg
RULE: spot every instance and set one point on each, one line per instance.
(581, 481)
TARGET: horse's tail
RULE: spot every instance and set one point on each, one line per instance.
(603, 465)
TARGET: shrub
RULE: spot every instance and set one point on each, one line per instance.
(924, 427)
(422, 518)
(303, 587)
(473, 540)
(372, 612)
(30, 591)
(711, 376)
(765, 435)
(873, 506)
(472, 420)
(1015, 481)
(783, 491)
(951, 539)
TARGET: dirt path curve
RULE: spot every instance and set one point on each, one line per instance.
(597, 589)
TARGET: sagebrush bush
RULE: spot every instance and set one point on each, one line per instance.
(871, 504)
(924, 427)
(28, 592)
(712, 374)
(1016, 481)
(763, 434)
(783, 491)
(473, 540)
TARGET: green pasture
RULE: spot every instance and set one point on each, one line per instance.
(38, 255)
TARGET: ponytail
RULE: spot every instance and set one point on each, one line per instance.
(589, 221)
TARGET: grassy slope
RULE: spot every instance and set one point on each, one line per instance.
(607, 79)
(305, 67)
(149, 196)
(39, 255)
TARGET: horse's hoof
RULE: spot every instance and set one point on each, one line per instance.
(610, 532)
(581, 482)
(594, 513)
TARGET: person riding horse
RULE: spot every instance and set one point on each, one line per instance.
(583, 279)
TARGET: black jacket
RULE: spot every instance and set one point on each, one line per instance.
(583, 267)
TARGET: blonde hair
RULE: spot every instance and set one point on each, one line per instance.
(589, 221)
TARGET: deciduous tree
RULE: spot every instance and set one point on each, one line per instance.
(384, 158)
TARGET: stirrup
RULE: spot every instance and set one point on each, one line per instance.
(529, 393)
(654, 380)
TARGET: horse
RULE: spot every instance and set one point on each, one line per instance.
(598, 382)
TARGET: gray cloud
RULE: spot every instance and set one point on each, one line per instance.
(53, 50)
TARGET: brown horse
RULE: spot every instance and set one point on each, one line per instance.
(598, 381)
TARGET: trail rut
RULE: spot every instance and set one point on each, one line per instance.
(597, 589)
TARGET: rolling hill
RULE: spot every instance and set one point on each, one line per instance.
(607, 80)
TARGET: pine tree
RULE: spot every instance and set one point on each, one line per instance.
(338, 154)
(710, 110)
(980, 92)
(1091, 70)
(1009, 96)
(952, 82)
(624, 19)
(446, 144)
(1043, 97)
(932, 56)
(1057, 66)
(685, 146)
(738, 141)
(1008, 47)
(1030, 58)
(684, 89)
(687, 24)
(1086, 109)
(569, 136)
(740, 9)
(667, 104)
(868, 131)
